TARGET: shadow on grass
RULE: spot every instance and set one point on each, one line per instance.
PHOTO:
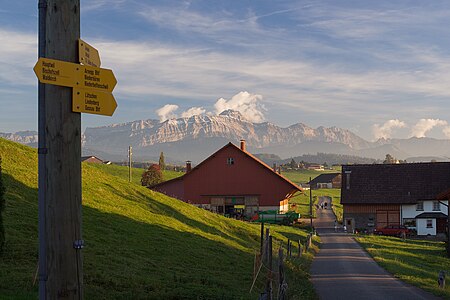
(156, 206)
(125, 258)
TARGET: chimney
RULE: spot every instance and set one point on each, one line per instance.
(274, 168)
(188, 166)
(243, 147)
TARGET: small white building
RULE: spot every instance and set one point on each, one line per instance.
(426, 217)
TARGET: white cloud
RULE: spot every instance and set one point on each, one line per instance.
(385, 130)
(167, 112)
(424, 125)
(446, 131)
(247, 104)
(193, 111)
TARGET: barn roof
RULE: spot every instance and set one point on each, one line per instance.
(324, 178)
(249, 155)
(394, 183)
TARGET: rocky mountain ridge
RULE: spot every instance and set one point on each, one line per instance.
(196, 137)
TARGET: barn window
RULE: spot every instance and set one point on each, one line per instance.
(429, 223)
(419, 205)
(230, 161)
(436, 205)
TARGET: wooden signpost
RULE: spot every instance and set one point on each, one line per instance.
(93, 102)
(88, 55)
(65, 89)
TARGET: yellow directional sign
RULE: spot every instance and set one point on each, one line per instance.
(88, 55)
(64, 73)
(93, 102)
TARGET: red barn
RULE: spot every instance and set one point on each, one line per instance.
(232, 181)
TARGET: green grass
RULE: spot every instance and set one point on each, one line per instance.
(136, 173)
(302, 202)
(139, 243)
(417, 262)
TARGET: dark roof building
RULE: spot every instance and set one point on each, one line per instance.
(327, 180)
(378, 195)
(91, 159)
(394, 183)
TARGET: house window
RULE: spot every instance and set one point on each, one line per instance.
(409, 222)
(429, 223)
(436, 205)
(230, 161)
(419, 205)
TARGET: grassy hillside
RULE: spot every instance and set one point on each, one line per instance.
(139, 244)
(302, 176)
(136, 173)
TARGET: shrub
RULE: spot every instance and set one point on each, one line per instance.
(152, 176)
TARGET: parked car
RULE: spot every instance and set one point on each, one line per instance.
(395, 230)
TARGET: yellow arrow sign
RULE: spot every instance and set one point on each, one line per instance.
(93, 102)
(87, 54)
(64, 73)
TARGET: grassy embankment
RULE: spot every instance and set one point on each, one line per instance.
(417, 262)
(139, 244)
(302, 201)
(136, 173)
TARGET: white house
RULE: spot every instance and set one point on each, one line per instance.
(426, 217)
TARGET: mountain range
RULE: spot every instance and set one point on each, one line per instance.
(195, 138)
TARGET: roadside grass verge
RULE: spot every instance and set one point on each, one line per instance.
(139, 244)
(417, 262)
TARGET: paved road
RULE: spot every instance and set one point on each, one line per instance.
(343, 270)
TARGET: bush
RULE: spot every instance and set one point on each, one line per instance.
(152, 176)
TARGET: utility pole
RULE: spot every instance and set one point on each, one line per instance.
(59, 154)
(310, 204)
(129, 162)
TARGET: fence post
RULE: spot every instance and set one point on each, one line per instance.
(266, 254)
(262, 239)
(269, 272)
(299, 249)
(281, 280)
(288, 247)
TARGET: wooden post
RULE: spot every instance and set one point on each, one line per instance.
(61, 275)
(288, 247)
(310, 204)
(266, 254)
(299, 249)
(262, 239)
(130, 153)
(281, 291)
(269, 272)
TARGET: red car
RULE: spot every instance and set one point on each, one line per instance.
(395, 230)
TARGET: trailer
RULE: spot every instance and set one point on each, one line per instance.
(273, 217)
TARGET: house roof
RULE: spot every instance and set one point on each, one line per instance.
(83, 158)
(324, 178)
(249, 155)
(394, 183)
(431, 215)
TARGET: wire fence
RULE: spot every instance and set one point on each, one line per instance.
(269, 276)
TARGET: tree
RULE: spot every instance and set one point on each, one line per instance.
(2, 207)
(293, 164)
(389, 159)
(152, 176)
(162, 164)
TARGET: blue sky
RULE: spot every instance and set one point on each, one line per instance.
(379, 68)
